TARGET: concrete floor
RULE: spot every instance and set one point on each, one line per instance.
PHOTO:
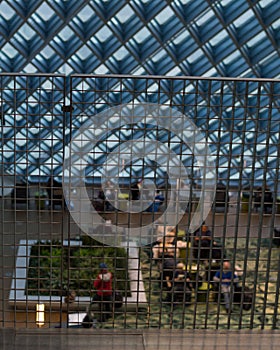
(74, 339)
(31, 224)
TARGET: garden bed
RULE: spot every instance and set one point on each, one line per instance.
(46, 271)
(55, 269)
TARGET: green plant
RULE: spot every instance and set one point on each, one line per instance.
(54, 268)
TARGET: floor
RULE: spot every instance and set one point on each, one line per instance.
(22, 224)
(74, 339)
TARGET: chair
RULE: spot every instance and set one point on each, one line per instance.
(20, 195)
(276, 238)
(55, 193)
(221, 201)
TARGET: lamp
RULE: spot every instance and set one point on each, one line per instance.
(40, 315)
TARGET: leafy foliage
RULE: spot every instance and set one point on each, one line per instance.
(54, 268)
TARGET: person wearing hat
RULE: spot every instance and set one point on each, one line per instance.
(103, 286)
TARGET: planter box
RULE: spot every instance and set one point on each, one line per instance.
(19, 299)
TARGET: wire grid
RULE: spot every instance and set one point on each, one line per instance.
(239, 121)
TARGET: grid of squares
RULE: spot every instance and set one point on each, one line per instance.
(238, 117)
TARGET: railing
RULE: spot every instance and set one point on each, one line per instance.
(207, 147)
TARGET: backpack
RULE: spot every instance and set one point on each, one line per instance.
(118, 300)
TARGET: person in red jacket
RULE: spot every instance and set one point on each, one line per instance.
(103, 286)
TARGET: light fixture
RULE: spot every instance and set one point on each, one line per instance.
(40, 315)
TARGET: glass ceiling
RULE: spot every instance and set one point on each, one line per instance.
(223, 38)
(234, 38)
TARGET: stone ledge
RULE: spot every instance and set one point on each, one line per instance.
(115, 339)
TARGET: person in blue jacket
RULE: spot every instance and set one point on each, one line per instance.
(158, 201)
(228, 279)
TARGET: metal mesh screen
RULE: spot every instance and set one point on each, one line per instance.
(172, 183)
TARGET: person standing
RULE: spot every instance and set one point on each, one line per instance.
(104, 292)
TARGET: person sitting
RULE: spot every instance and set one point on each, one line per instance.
(99, 203)
(227, 279)
(203, 234)
(135, 190)
(166, 253)
(158, 201)
(257, 199)
(167, 272)
(181, 289)
(167, 245)
(109, 196)
(268, 201)
(203, 241)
